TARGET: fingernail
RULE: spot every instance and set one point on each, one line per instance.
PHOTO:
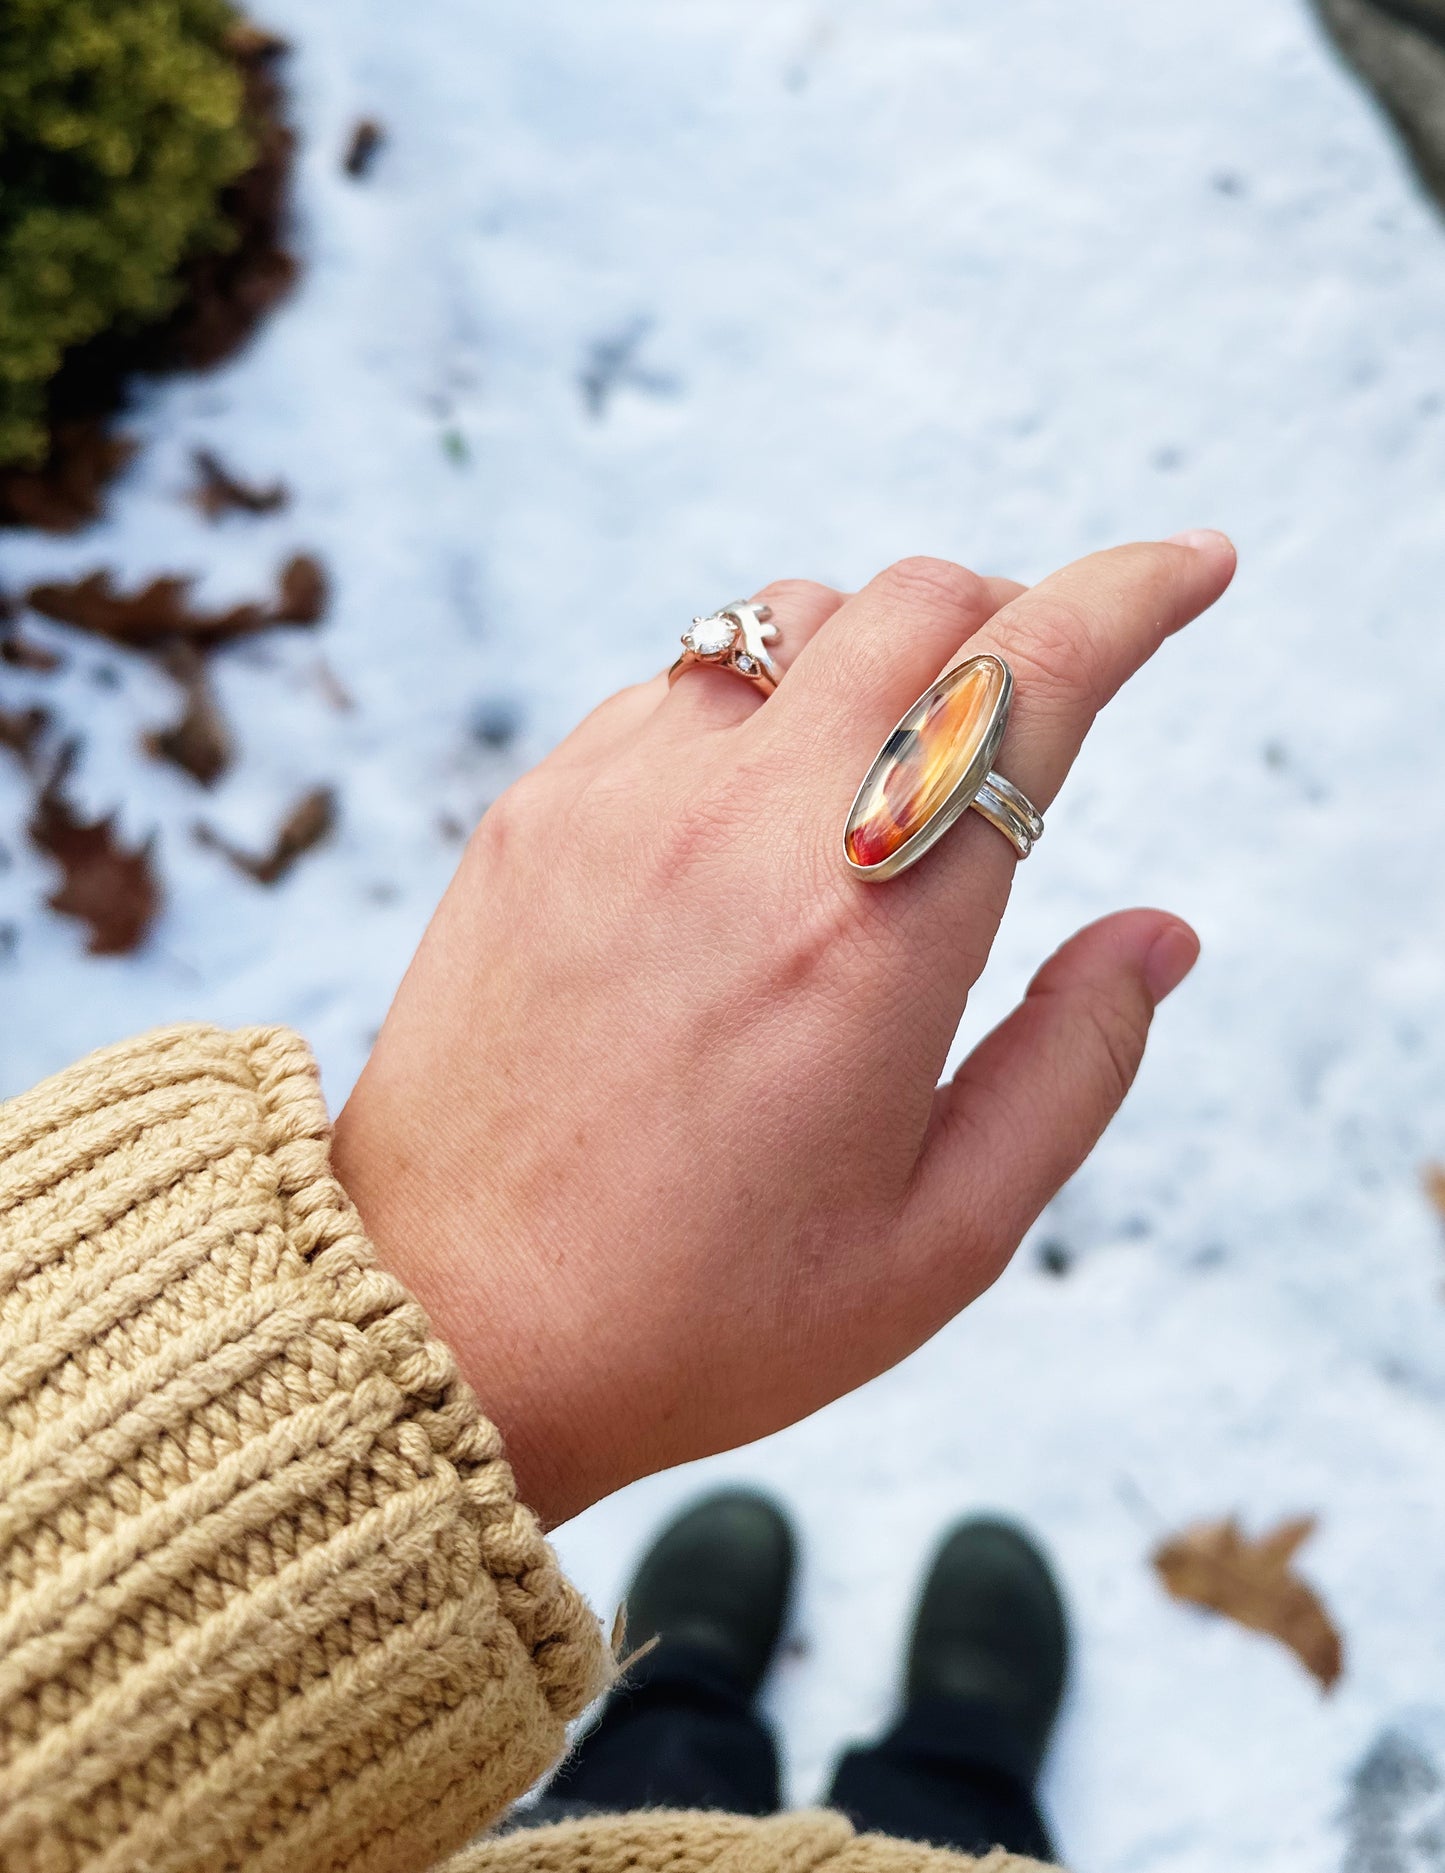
(1169, 958)
(1202, 539)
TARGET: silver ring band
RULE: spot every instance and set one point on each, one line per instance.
(1003, 806)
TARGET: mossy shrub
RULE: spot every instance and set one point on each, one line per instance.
(120, 123)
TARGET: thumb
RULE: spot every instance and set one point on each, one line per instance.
(1032, 1100)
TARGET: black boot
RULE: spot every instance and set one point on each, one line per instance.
(708, 1600)
(718, 1580)
(985, 1677)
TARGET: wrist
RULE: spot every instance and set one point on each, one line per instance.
(504, 1308)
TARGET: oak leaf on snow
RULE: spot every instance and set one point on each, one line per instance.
(161, 612)
(109, 886)
(1253, 1582)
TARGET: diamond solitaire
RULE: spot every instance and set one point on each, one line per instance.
(712, 637)
(735, 638)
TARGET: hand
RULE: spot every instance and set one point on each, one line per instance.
(653, 1128)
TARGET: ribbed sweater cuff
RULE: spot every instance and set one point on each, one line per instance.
(267, 1599)
(659, 1841)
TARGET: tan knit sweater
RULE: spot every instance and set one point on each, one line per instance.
(267, 1599)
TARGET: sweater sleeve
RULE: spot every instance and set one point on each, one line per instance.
(659, 1841)
(267, 1599)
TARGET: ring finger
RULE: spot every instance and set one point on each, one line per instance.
(711, 697)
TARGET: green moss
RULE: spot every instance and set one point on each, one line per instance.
(120, 123)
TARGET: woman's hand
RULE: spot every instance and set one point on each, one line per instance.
(653, 1128)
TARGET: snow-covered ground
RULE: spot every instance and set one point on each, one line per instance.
(643, 304)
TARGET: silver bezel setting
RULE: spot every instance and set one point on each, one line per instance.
(960, 798)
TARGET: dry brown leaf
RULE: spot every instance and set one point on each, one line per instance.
(1215, 1565)
(108, 886)
(161, 613)
(21, 730)
(309, 822)
(367, 138)
(142, 620)
(1433, 1177)
(218, 491)
(23, 653)
(199, 742)
(68, 489)
(302, 594)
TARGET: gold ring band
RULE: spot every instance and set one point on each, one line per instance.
(735, 638)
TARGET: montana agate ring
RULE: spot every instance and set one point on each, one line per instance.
(735, 638)
(935, 765)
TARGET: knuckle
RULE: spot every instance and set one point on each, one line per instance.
(933, 584)
(1058, 650)
(625, 701)
(506, 825)
(610, 712)
(1114, 1030)
(800, 594)
(1146, 567)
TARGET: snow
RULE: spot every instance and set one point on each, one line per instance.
(840, 282)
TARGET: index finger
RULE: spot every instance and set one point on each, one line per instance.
(1077, 637)
(1071, 642)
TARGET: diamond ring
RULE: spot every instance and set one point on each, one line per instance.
(735, 638)
(936, 764)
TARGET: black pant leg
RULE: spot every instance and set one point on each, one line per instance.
(675, 1734)
(946, 1774)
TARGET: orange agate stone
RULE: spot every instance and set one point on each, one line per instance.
(924, 759)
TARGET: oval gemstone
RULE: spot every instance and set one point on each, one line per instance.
(925, 759)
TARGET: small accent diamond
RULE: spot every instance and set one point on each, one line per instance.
(711, 637)
(745, 664)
